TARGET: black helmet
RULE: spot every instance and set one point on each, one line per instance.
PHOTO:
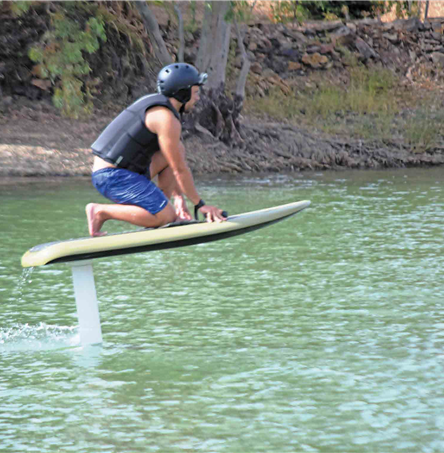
(175, 81)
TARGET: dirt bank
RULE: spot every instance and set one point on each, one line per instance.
(41, 143)
(36, 141)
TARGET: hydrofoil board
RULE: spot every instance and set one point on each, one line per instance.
(169, 236)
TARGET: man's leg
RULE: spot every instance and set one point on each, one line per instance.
(165, 177)
(98, 214)
(167, 183)
(137, 199)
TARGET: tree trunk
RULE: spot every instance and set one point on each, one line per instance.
(181, 35)
(242, 80)
(152, 27)
(215, 43)
(216, 115)
(426, 14)
(202, 54)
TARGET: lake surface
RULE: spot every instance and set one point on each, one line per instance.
(323, 333)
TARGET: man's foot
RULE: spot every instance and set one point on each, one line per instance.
(95, 221)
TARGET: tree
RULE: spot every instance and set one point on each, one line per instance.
(426, 13)
(215, 43)
(218, 114)
(152, 28)
(181, 33)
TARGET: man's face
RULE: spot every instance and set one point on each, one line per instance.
(194, 98)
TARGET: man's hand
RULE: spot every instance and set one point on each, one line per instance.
(212, 213)
(181, 208)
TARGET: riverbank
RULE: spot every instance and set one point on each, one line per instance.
(320, 96)
(41, 143)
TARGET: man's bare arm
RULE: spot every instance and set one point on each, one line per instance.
(168, 129)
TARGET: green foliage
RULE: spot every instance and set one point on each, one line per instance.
(60, 57)
(402, 9)
(276, 105)
(372, 106)
(369, 93)
(19, 8)
(298, 11)
(331, 8)
(423, 128)
(367, 103)
(121, 26)
(349, 58)
(284, 12)
(241, 11)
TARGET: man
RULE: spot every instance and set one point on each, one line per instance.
(142, 142)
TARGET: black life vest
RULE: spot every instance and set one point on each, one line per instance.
(127, 142)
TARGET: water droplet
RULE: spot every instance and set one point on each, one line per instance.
(24, 280)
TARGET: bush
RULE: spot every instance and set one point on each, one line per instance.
(60, 58)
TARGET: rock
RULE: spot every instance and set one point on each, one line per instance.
(345, 40)
(251, 55)
(252, 46)
(364, 49)
(265, 45)
(260, 57)
(278, 65)
(351, 27)
(295, 36)
(7, 100)
(44, 85)
(291, 54)
(294, 66)
(313, 49)
(256, 68)
(327, 48)
(411, 25)
(315, 60)
(438, 58)
(343, 31)
(437, 35)
(392, 37)
(268, 73)
(368, 21)
(437, 27)
(324, 26)
(276, 43)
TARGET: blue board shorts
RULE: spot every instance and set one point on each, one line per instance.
(127, 187)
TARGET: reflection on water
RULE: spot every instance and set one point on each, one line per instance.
(322, 333)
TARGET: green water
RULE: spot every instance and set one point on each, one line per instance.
(323, 333)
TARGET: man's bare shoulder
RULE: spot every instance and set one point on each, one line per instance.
(160, 119)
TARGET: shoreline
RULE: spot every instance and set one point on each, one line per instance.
(50, 146)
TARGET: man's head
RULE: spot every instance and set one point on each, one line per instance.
(181, 81)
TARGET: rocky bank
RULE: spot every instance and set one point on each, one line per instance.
(36, 141)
